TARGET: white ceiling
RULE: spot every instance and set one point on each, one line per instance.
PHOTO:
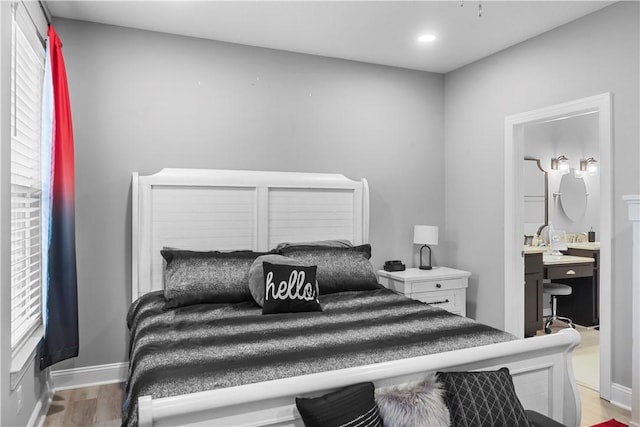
(380, 32)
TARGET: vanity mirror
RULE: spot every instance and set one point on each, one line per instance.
(573, 196)
(536, 212)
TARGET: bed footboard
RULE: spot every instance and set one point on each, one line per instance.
(541, 369)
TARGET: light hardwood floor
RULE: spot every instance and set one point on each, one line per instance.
(100, 406)
(89, 406)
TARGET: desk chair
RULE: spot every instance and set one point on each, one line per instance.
(555, 289)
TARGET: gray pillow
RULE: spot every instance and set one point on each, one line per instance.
(337, 243)
(256, 274)
(339, 269)
(206, 277)
(418, 404)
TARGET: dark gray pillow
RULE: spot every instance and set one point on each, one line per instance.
(351, 406)
(206, 277)
(483, 399)
(339, 269)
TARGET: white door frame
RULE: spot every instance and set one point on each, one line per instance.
(514, 217)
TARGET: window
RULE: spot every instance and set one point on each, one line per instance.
(27, 73)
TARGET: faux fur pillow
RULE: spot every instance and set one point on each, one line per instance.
(414, 404)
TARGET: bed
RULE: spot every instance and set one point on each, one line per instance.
(201, 210)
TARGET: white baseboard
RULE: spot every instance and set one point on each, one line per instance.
(40, 411)
(621, 396)
(42, 405)
(89, 376)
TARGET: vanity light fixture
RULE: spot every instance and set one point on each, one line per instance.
(425, 235)
(560, 163)
(589, 165)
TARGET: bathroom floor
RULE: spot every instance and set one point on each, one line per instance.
(586, 357)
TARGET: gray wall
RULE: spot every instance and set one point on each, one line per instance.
(596, 54)
(576, 138)
(142, 101)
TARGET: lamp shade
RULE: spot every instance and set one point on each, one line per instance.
(425, 235)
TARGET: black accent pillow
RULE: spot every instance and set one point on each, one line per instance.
(193, 277)
(289, 288)
(350, 406)
(339, 269)
(483, 399)
(256, 274)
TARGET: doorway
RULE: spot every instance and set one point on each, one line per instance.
(599, 105)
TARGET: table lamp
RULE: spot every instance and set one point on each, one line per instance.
(425, 235)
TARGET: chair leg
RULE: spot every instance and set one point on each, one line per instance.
(549, 322)
(554, 316)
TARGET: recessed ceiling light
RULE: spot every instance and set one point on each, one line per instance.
(426, 38)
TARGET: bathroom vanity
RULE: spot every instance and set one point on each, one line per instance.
(579, 269)
(582, 306)
(533, 275)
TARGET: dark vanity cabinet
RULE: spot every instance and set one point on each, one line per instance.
(533, 277)
(582, 306)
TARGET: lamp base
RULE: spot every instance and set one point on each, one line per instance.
(426, 267)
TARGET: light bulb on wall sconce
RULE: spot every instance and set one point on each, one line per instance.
(589, 165)
(560, 163)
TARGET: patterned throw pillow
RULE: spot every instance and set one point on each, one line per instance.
(339, 269)
(289, 289)
(349, 407)
(418, 404)
(483, 399)
(206, 277)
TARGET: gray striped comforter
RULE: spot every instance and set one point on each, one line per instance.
(209, 346)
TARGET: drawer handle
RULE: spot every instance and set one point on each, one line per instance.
(438, 285)
(570, 273)
(440, 302)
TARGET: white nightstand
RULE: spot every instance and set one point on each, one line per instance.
(442, 286)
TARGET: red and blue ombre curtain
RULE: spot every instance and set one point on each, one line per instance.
(60, 296)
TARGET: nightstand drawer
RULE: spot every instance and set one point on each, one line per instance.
(443, 287)
(452, 301)
(569, 271)
(438, 285)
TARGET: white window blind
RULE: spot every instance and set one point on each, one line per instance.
(27, 71)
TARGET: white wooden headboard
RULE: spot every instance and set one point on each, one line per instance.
(208, 209)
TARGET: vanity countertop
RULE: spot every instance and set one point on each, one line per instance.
(592, 246)
(534, 249)
(564, 259)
